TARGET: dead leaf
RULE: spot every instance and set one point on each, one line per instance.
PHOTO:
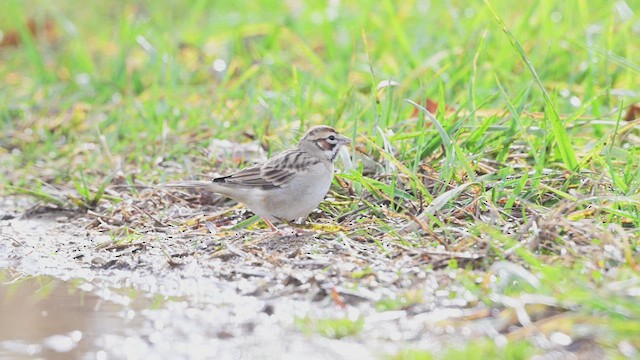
(46, 30)
(633, 112)
(433, 107)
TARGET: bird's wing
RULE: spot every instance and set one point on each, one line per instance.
(274, 173)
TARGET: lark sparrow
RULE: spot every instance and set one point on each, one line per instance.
(289, 185)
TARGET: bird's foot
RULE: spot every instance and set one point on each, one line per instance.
(290, 230)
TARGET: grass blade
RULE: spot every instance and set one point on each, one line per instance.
(564, 145)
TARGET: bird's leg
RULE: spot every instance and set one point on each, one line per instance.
(297, 228)
(271, 226)
(287, 232)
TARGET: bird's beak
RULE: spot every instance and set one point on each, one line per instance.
(344, 140)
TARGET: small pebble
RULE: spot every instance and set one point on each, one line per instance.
(98, 261)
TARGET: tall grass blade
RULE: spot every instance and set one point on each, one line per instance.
(551, 113)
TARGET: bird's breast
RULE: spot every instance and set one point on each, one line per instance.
(303, 194)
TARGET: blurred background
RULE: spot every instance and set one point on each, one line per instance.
(128, 75)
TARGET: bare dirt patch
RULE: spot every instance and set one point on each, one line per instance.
(249, 289)
(324, 292)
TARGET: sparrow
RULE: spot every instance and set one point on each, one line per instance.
(287, 186)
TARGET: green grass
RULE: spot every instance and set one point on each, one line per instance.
(330, 328)
(528, 148)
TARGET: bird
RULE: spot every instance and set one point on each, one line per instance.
(287, 186)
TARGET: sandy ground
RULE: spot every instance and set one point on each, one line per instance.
(244, 294)
(194, 289)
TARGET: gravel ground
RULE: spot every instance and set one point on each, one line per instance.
(240, 294)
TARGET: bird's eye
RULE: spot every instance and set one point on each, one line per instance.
(331, 137)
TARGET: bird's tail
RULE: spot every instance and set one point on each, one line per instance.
(203, 185)
(190, 184)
